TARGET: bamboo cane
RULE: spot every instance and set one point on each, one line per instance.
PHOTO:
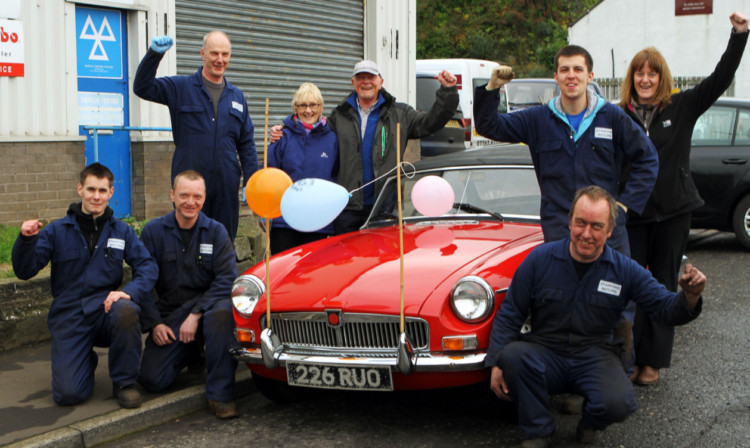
(268, 230)
(400, 223)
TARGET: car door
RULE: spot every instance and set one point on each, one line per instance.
(719, 162)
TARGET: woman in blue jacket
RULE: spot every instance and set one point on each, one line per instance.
(658, 235)
(309, 149)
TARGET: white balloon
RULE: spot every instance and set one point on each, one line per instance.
(311, 204)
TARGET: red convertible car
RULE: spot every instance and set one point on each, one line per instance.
(335, 318)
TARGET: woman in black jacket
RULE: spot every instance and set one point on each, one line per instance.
(658, 236)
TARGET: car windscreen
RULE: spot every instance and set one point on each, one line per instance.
(525, 94)
(511, 191)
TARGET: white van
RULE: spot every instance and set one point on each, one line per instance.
(471, 73)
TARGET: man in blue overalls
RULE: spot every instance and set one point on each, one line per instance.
(575, 289)
(196, 270)
(87, 249)
(211, 125)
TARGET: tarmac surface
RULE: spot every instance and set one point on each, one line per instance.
(30, 418)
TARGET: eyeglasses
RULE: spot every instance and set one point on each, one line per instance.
(312, 106)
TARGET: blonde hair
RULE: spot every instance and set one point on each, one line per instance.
(307, 90)
(658, 64)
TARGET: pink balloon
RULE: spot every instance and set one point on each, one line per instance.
(432, 196)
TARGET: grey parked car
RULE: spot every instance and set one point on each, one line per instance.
(719, 163)
(456, 133)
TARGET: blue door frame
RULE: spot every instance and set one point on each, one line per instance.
(103, 96)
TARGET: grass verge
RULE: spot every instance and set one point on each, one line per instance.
(8, 236)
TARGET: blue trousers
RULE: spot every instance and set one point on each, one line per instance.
(222, 201)
(533, 372)
(161, 364)
(74, 361)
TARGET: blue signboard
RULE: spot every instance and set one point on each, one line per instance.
(99, 43)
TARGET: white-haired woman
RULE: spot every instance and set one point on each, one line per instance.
(309, 149)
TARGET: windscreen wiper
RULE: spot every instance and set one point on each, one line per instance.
(384, 216)
(475, 209)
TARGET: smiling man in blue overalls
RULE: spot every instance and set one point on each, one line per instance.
(575, 290)
(196, 270)
(87, 249)
(211, 125)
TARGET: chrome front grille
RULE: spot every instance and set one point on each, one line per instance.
(354, 331)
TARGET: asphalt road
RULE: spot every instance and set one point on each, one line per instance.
(703, 400)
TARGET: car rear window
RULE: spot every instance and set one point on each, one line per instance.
(715, 127)
(426, 88)
(527, 94)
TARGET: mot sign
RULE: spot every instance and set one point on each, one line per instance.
(11, 47)
(98, 43)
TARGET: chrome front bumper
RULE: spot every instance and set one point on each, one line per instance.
(422, 362)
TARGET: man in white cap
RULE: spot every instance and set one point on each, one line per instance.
(365, 124)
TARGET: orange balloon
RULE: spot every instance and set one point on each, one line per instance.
(264, 190)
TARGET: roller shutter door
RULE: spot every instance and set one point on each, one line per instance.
(276, 46)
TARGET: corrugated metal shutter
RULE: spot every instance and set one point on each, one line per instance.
(276, 46)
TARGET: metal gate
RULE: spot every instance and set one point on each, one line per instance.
(276, 46)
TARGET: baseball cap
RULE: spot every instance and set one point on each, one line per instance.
(366, 67)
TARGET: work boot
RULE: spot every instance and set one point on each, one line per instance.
(127, 397)
(539, 442)
(222, 410)
(572, 405)
(587, 435)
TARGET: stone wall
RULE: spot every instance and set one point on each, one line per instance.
(23, 312)
(152, 164)
(37, 179)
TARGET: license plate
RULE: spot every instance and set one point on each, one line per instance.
(452, 124)
(324, 376)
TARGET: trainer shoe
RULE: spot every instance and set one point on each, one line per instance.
(222, 410)
(127, 397)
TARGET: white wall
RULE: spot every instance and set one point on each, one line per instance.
(43, 104)
(146, 113)
(391, 41)
(692, 45)
(36, 104)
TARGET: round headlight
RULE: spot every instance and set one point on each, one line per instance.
(246, 291)
(472, 299)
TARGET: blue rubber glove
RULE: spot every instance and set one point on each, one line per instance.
(161, 44)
